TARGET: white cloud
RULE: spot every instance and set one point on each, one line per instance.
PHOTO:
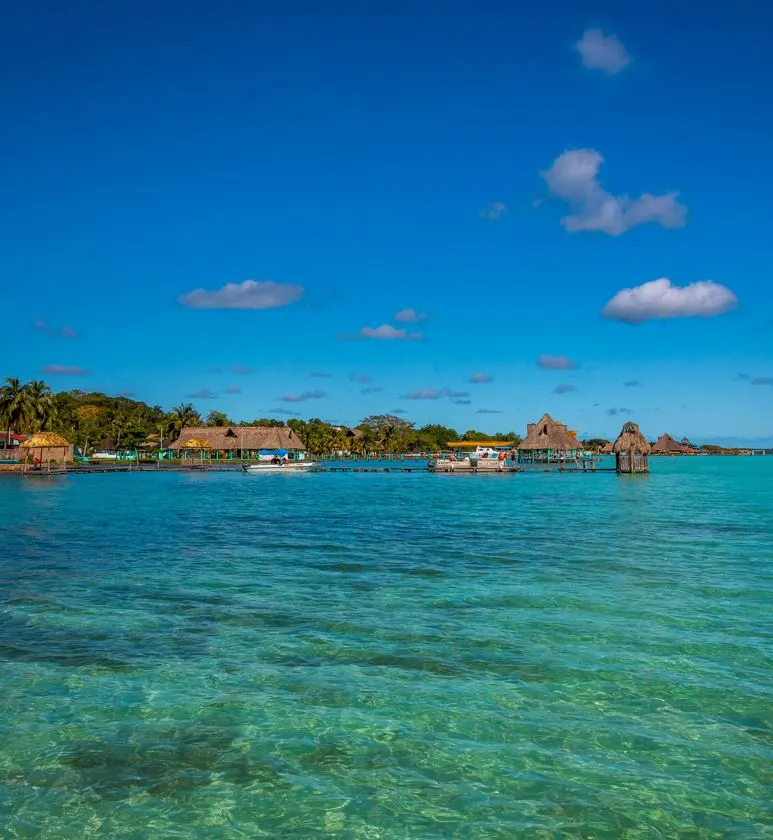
(661, 299)
(251, 294)
(480, 378)
(203, 394)
(602, 52)
(386, 332)
(241, 370)
(64, 332)
(489, 411)
(410, 316)
(424, 394)
(563, 389)
(64, 370)
(573, 177)
(493, 211)
(435, 394)
(556, 363)
(306, 395)
(233, 389)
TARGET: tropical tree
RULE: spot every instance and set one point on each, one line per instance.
(388, 432)
(89, 425)
(434, 437)
(181, 416)
(15, 406)
(218, 418)
(42, 406)
(271, 422)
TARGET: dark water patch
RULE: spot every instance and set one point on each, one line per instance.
(424, 571)
(757, 727)
(186, 598)
(347, 567)
(248, 770)
(157, 760)
(24, 641)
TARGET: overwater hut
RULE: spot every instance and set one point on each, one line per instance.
(666, 445)
(548, 442)
(46, 447)
(631, 450)
(243, 442)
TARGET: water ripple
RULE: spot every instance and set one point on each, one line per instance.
(388, 656)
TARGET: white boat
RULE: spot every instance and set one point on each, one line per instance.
(287, 467)
(482, 459)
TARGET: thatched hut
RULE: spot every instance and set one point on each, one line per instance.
(242, 442)
(548, 442)
(631, 450)
(54, 449)
(666, 445)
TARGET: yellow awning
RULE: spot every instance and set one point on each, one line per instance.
(472, 444)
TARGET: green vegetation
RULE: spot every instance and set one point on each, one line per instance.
(86, 419)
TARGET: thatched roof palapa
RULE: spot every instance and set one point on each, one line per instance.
(240, 437)
(666, 444)
(548, 433)
(631, 440)
(45, 440)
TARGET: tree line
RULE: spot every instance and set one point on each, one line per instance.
(87, 419)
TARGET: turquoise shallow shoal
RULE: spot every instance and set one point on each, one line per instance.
(388, 655)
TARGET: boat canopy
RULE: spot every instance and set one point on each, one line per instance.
(483, 444)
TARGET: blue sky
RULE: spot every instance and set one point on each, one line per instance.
(503, 175)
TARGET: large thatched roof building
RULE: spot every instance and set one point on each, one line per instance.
(241, 441)
(666, 445)
(631, 450)
(548, 441)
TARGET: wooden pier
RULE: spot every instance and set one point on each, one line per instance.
(401, 467)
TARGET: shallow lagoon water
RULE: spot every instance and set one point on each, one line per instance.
(388, 655)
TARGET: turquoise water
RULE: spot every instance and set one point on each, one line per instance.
(388, 656)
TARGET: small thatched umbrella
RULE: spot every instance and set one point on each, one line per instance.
(200, 444)
(631, 450)
(47, 441)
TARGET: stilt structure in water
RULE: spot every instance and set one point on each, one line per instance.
(631, 450)
(549, 442)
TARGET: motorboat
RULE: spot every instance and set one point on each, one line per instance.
(287, 467)
(482, 459)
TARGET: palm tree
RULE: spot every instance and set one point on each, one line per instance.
(388, 436)
(181, 416)
(15, 406)
(41, 403)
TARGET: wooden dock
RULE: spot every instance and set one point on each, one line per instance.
(401, 467)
